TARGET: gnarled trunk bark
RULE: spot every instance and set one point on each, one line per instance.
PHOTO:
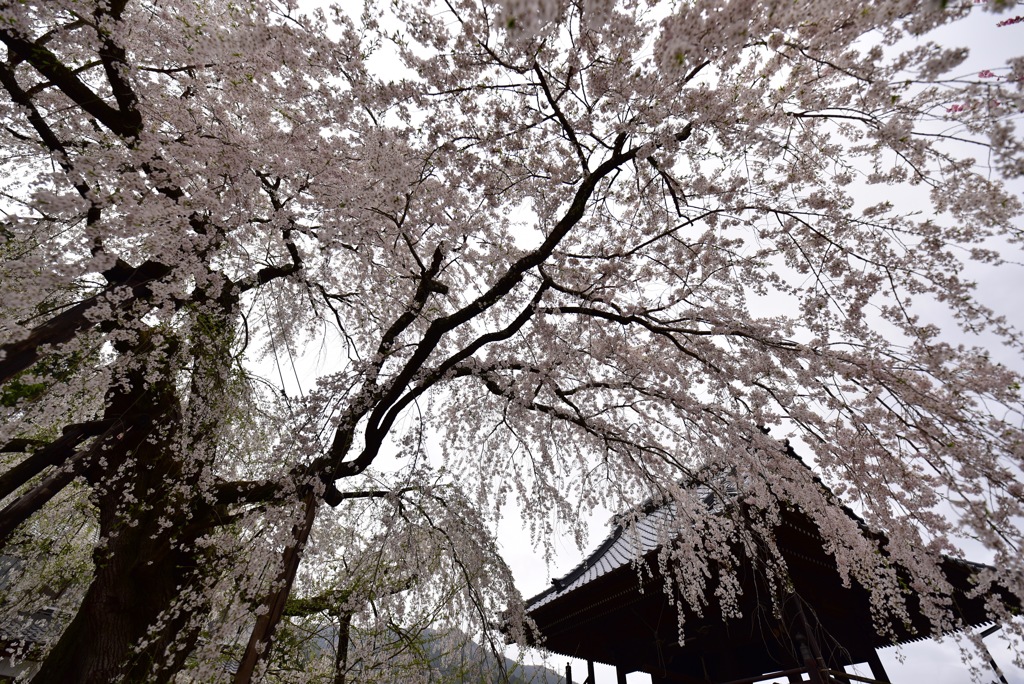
(143, 565)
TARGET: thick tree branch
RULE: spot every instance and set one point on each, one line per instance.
(259, 644)
(125, 123)
(46, 135)
(510, 279)
(22, 444)
(22, 508)
(268, 273)
(250, 492)
(384, 415)
(22, 354)
(35, 118)
(115, 63)
(423, 291)
(56, 453)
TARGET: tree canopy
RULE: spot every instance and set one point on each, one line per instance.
(294, 301)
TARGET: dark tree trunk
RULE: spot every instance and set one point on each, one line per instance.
(341, 654)
(144, 566)
(125, 599)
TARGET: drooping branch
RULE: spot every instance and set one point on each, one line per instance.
(611, 435)
(334, 601)
(336, 604)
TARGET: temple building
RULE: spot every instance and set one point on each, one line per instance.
(610, 610)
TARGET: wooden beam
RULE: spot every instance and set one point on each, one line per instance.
(988, 653)
(848, 677)
(877, 671)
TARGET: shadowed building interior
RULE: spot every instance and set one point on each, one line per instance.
(610, 610)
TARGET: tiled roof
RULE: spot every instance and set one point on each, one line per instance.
(624, 544)
(622, 547)
(31, 629)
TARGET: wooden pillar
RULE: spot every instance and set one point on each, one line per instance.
(988, 653)
(620, 675)
(808, 659)
(808, 645)
(877, 671)
(591, 679)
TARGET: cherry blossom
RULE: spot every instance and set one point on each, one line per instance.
(294, 303)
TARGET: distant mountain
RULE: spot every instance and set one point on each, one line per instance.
(453, 657)
(471, 663)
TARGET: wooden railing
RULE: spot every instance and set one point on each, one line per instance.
(824, 676)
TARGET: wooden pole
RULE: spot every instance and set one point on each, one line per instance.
(988, 653)
(877, 671)
(809, 650)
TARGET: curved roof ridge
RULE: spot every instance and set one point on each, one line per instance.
(617, 549)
